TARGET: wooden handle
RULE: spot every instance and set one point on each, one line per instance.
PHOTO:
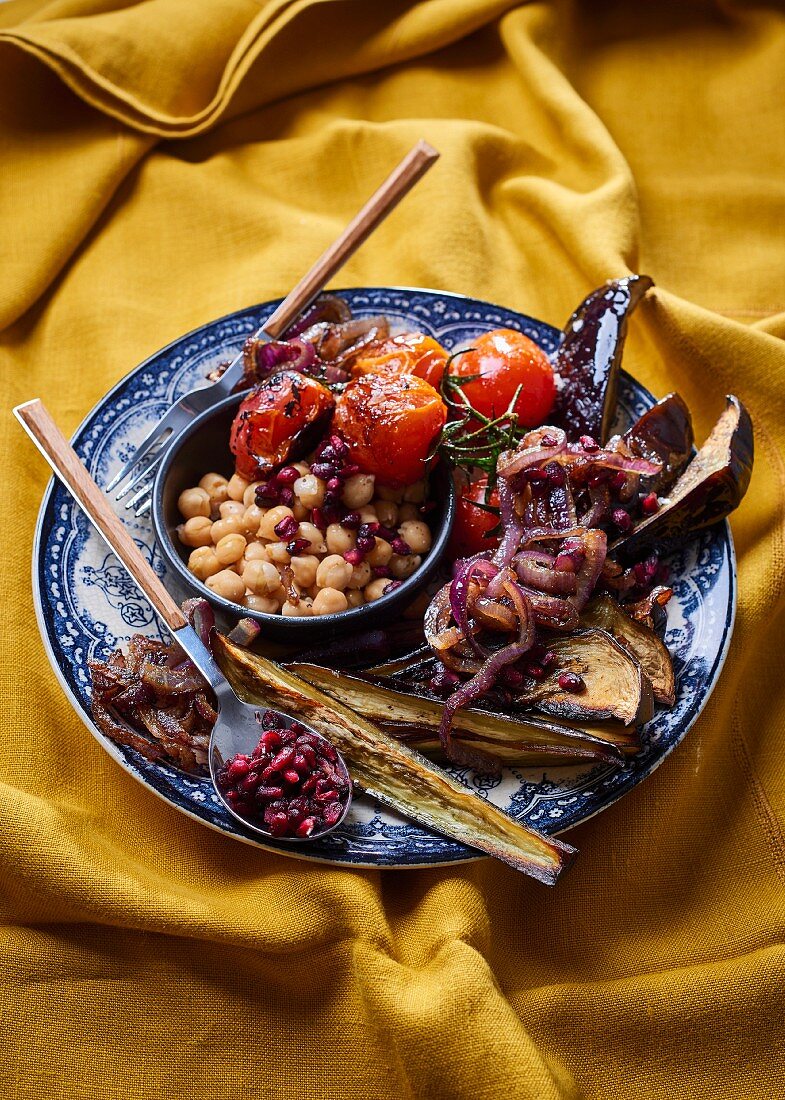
(65, 462)
(400, 181)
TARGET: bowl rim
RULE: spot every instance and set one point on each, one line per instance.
(398, 597)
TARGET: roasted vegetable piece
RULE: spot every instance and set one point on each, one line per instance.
(520, 739)
(588, 357)
(393, 773)
(390, 422)
(644, 645)
(615, 686)
(709, 489)
(280, 420)
(664, 435)
(407, 353)
(503, 365)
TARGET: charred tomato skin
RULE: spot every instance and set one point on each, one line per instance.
(473, 524)
(408, 353)
(280, 420)
(503, 360)
(390, 422)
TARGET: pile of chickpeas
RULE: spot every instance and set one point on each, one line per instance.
(278, 561)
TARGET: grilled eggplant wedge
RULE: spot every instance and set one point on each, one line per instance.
(639, 640)
(589, 356)
(522, 740)
(663, 435)
(709, 489)
(392, 772)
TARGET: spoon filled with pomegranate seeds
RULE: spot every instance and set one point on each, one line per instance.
(276, 775)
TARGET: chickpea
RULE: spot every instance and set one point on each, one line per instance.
(329, 602)
(407, 512)
(252, 517)
(297, 610)
(272, 517)
(261, 577)
(387, 511)
(277, 552)
(236, 487)
(203, 563)
(376, 588)
(249, 496)
(194, 502)
(314, 536)
(226, 583)
(354, 597)
(232, 525)
(361, 574)
(381, 553)
(268, 605)
(417, 534)
(303, 467)
(300, 511)
(310, 490)
(339, 540)
(386, 493)
(402, 566)
(230, 549)
(195, 531)
(304, 568)
(414, 493)
(333, 572)
(368, 515)
(255, 551)
(231, 508)
(358, 490)
(216, 486)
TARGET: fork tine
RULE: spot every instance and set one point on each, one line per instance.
(146, 479)
(144, 507)
(169, 422)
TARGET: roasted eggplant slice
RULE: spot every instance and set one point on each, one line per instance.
(709, 489)
(644, 645)
(615, 685)
(399, 708)
(588, 357)
(663, 435)
(393, 773)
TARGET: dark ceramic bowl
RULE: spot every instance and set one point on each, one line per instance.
(203, 447)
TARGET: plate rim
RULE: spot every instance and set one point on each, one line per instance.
(325, 860)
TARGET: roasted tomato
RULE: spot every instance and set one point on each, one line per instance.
(409, 353)
(390, 422)
(470, 533)
(280, 420)
(504, 360)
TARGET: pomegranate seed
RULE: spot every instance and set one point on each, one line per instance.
(286, 527)
(266, 493)
(535, 474)
(650, 504)
(297, 546)
(287, 497)
(287, 475)
(535, 670)
(324, 470)
(365, 544)
(589, 444)
(548, 659)
(332, 813)
(325, 796)
(238, 768)
(335, 485)
(548, 441)
(381, 571)
(351, 521)
(318, 519)
(267, 794)
(618, 481)
(279, 824)
(307, 826)
(570, 681)
(281, 759)
(309, 784)
(354, 557)
(291, 775)
(350, 469)
(512, 678)
(555, 474)
(339, 446)
(401, 547)
(622, 519)
(391, 587)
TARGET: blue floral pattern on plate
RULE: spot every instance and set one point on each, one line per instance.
(86, 606)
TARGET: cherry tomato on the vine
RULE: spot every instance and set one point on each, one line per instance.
(390, 422)
(504, 360)
(280, 420)
(470, 533)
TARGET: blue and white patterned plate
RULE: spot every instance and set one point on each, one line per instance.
(87, 606)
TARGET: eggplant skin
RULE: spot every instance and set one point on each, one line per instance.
(588, 357)
(639, 640)
(711, 487)
(664, 435)
(393, 773)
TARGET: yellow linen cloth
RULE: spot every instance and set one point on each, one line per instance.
(168, 161)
